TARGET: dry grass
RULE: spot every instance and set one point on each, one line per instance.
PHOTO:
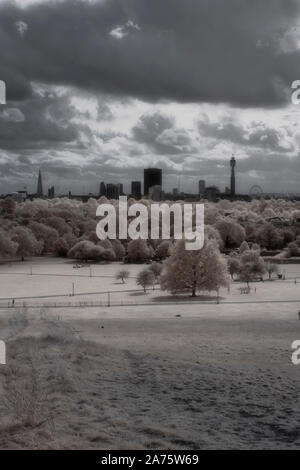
(150, 384)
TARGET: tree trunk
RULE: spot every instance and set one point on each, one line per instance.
(194, 281)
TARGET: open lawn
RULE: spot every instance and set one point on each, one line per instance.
(154, 374)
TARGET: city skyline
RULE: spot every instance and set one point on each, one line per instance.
(93, 112)
(153, 189)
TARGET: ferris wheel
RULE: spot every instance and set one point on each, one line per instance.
(256, 191)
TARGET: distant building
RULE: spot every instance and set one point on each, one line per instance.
(19, 196)
(51, 192)
(212, 193)
(201, 187)
(80, 197)
(175, 192)
(155, 193)
(120, 188)
(40, 192)
(112, 191)
(152, 177)
(136, 190)
(102, 191)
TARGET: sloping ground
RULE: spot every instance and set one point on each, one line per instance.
(167, 382)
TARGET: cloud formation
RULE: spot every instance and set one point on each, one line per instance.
(239, 52)
(100, 89)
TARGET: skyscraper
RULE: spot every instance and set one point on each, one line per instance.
(120, 188)
(201, 187)
(152, 177)
(232, 181)
(112, 191)
(40, 192)
(102, 191)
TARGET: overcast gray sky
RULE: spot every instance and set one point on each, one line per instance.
(100, 89)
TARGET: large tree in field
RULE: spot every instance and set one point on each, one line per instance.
(145, 279)
(195, 271)
(252, 266)
(122, 275)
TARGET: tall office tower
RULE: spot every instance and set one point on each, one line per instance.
(102, 191)
(136, 190)
(120, 189)
(112, 191)
(232, 181)
(201, 187)
(152, 177)
(40, 192)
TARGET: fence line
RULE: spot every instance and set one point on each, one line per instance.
(77, 294)
(110, 303)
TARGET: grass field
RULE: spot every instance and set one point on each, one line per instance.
(154, 374)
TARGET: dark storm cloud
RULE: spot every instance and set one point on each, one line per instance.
(257, 134)
(160, 134)
(181, 50)
(34, 124)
